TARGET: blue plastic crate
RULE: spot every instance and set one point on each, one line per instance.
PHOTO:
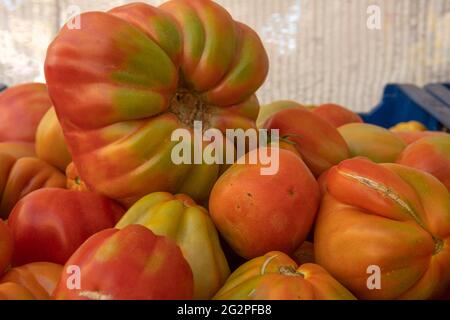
(403, 103)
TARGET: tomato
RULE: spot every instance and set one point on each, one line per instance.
(50, 143)
(189, 225)
(5, 246)
(267, 111)
(74, 181)
(430, 154)
(14, 291)
(336, 115)
(21, 109)
(258, 213)
(374, 142)
(40, 278)
(19, 177)
(319, 143)
(275, 276)
(50, 224)
(383, 231)
(128, 264)
(155, 70)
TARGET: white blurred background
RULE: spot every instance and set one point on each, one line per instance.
(320, 50)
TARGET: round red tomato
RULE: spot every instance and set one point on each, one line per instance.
(128, 264)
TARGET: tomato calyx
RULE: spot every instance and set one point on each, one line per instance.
(189, 107)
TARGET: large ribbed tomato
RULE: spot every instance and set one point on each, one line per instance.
(5, 246)
(389, 218)
(139, 72)
(128, 264)
(50, 143)
(21, 109)
(189, 225)
(19, 177)
(275, 276)
(40, 278)
(319, 143)
(430, 154)
(50, 224)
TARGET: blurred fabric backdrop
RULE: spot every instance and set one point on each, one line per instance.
(320, 50)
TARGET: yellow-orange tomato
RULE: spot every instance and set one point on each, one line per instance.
(374, 142)
(275, 276)
(74, 181)
(5, 246)
(40, 278)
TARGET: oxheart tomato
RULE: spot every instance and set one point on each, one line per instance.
(189, 225)
(430, 154)
(319, 143)
(14, 291)
(155, 70)
(50, 224)
(40, 278)
(21, 109)
(128, 264)
(21, 176)
(374, 142)
(5, 246)
(50, 142)
(258, 213)
(336, 115)
(275, 276)
(388, 222)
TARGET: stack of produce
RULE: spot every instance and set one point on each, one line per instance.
(94, 207)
